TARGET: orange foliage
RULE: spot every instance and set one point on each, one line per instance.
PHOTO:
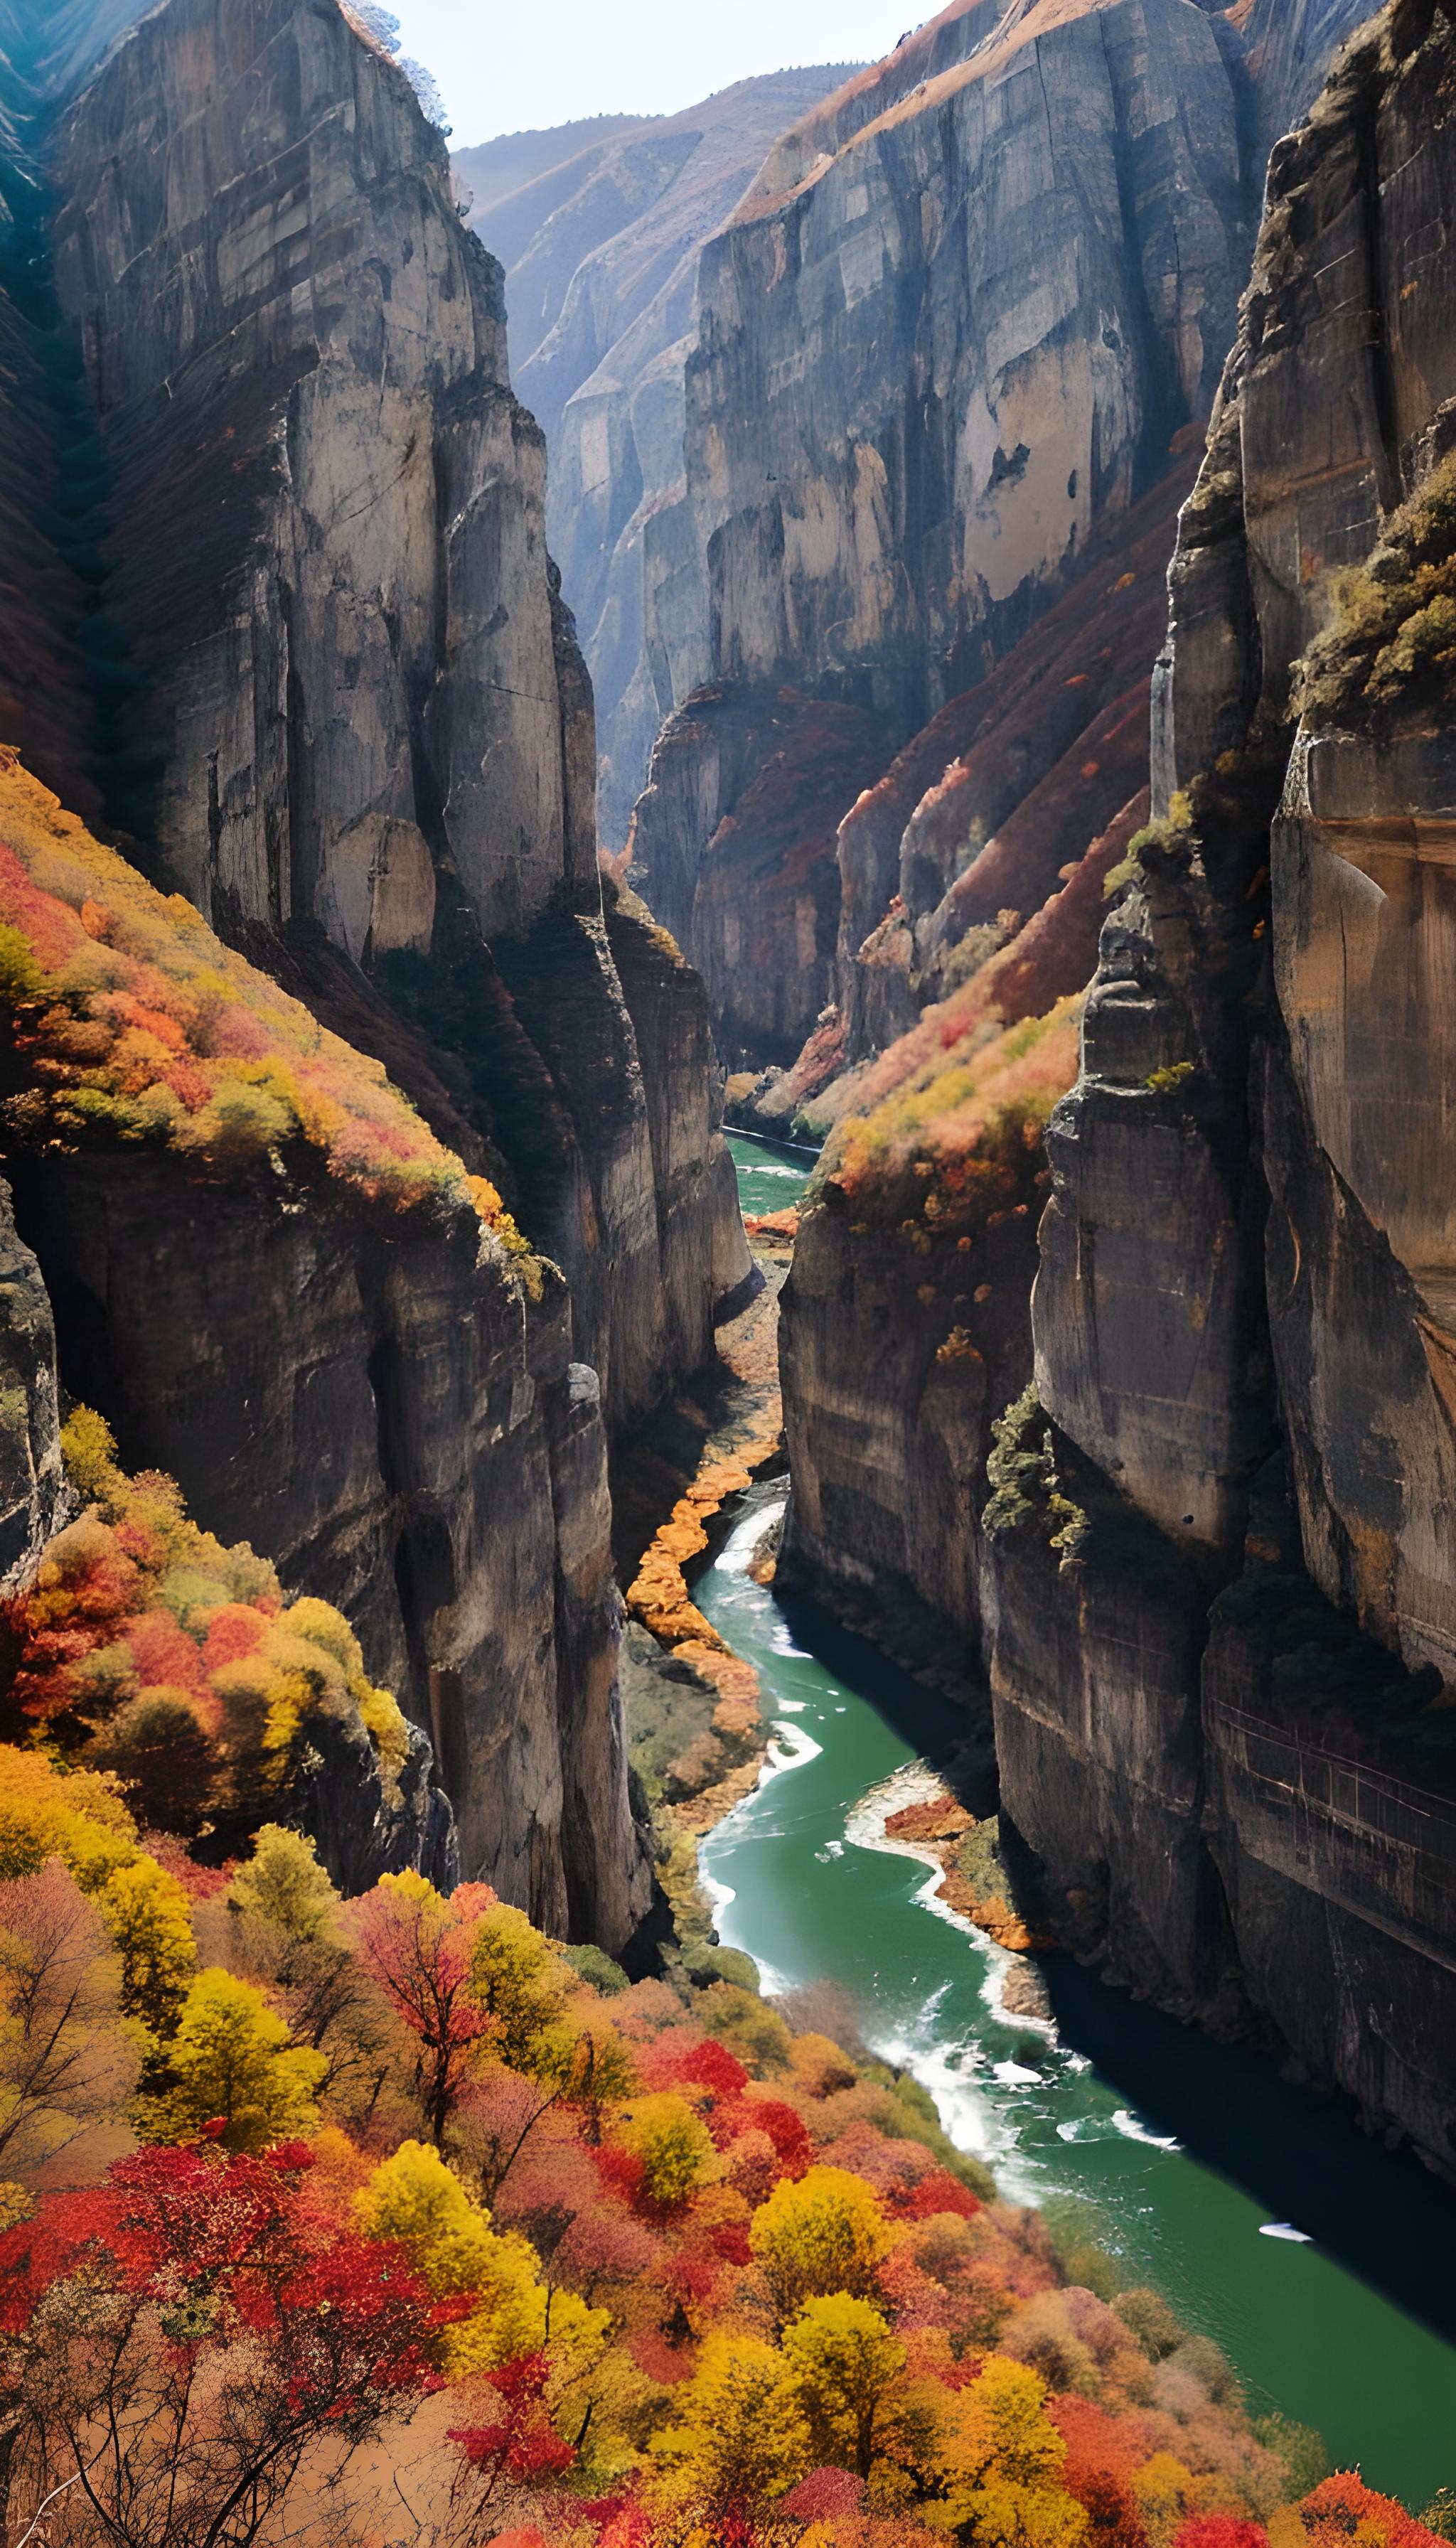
(955, 1142)
(136, 1023)
(145, 1646)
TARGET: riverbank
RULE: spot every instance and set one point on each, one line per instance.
(1313, 2258)
(697, 1738)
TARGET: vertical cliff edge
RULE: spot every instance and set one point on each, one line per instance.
(313, 672)
(1193, 1513)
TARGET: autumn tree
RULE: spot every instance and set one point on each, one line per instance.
(413, 2200)
(845, 2360)
(825, 2233)
(740, 2437)
(671, 2144)
(231, 2065)
(148, 1916)
(66, 2061)
(176, 2348)
(283, 1882)
(416, 1945)
(519, 1983)
(1004, 2463)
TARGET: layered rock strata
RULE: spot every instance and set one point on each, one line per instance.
(944, 341)
(367, 716)
(1246, 1240)
(360, 740)
(600, 249)
(1212, 1584)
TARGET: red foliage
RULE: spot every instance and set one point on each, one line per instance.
(1220, 2530)
(1342, 2505)
(704, 2064)
(238, 2244)
(1098, 2445)
(622, 2171)
(1112, 2518)
(826, 2494)
(940, 2192)
(518, 2446)
(416, 1948)
(786, 2128)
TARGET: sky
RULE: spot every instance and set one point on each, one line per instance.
(508, 65)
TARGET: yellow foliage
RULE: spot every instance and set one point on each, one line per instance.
(231, 2060)
(826, 2233)
(283, 1881)
(518, 1981)
(78, 1818)
(149, 1918)
(1165, 2492)
(414, 2197)
(1003, 2464)
(741, 2435)
(845, 2359)
(671, 2141)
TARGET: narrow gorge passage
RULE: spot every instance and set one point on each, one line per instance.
(804, 1887)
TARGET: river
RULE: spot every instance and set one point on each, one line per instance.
(1321, 2263)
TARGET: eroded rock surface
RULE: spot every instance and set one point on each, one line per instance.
(1247, 1238)
(366, 713)
(600, 248)
(359, 736)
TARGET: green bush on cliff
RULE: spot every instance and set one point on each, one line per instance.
(1390, 639)
(1025, 1492)
(1173, 836)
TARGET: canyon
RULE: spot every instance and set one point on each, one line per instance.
(295, 636)
(1115, 1348)
(601, 236)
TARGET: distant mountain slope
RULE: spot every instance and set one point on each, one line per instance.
(600, 248)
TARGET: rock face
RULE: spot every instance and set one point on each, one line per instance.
(367, 718)
(600, 248)
(359, 736)
(943, 343)
(758, 773)
(1213, 1583)
(371, 1407)
(31, 1480)
(1255, 1248)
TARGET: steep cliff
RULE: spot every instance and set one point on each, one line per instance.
(943, 344)
(313, 659)
(1246, 1242)
(281, 1289)
(1212, 1584)
(600, 253)
(367, 722)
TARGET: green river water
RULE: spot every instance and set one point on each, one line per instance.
(1321, 2264)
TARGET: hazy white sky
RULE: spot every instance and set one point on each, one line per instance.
(506, 66)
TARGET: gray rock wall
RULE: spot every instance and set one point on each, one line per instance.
(367, 717)
(1262, 1250)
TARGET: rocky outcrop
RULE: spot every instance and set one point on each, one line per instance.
(365, 713)
(378, 1411)
(943, 344)
(1212, 1582)
(371, 1383)
(757, 776)
(1245, 1240)
(359, 738)
(601, 251)
(905, 1330)
(31, 1480)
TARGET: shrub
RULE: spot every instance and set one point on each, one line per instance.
(137, 1025)
(145, 1646)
